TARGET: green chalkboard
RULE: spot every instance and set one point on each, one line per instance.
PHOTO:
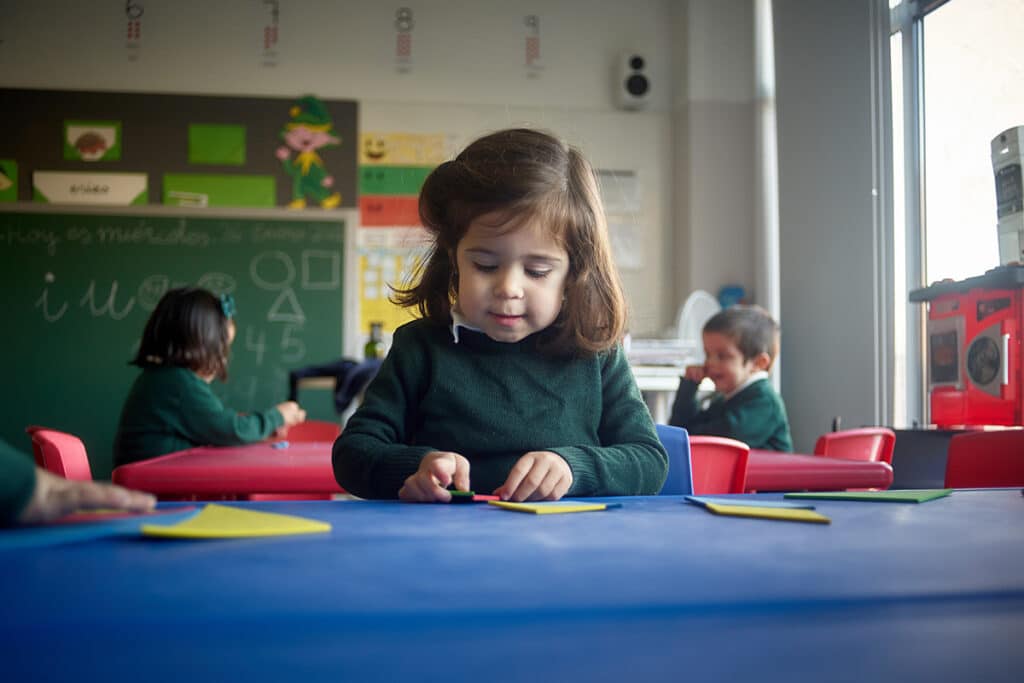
(78, 289)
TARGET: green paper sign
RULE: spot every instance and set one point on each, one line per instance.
(8, 180)
(210, 143)
(217, 189)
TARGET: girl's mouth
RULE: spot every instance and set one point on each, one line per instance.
(506, 320)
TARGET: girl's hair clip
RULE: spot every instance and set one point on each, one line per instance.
(227, 304)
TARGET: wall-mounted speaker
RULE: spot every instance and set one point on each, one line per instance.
(632, 84)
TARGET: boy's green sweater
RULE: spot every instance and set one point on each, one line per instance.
(492, 402)
(755, 415)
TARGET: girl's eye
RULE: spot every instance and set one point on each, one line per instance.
(538, 274)
(485, 268)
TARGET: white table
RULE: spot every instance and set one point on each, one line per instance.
(658, 384)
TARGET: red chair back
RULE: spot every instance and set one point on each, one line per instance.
(718, 465)
(60, 453)
(990, 458)
(871, 444)
(313, 430)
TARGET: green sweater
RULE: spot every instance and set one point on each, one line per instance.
(170, 409)
(492, 402)
(755, 415)
(17, 482)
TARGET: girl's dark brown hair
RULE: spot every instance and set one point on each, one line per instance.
(189, 329)
(520, 175)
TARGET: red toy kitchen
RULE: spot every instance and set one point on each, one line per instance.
(974, 348)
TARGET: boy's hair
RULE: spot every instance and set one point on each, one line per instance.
(519, 175)
(751, 328)
(188, 328)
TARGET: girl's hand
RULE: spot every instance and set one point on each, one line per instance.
(437, 470)
(538, 475)
(694, 373)
(291, 412)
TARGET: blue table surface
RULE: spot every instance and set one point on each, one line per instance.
(643, 592)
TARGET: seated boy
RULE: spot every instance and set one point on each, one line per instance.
(740, 345)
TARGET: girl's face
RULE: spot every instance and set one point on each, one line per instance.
(511, 284)
(231, 332)
(724, 362)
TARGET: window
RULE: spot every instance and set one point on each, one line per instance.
(973, 90)
(957, 83)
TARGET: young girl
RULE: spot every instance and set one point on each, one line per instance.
(170, 406)
(513, 381)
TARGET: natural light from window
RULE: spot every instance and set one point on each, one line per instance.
(899, 222)
(973, 90)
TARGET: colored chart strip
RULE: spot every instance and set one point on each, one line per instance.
(392, 180)
(382, 210)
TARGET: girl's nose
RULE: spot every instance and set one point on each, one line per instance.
(508, 284)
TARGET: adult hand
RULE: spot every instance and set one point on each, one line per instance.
(55, 497)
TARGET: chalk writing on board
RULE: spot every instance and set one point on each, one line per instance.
(286, 309)
(297, 346)
(108, 308)
(256, 341)
(43, 303)
(151, 290)
(272, 270)
(180, 234)
(321, 269)
(218, 283)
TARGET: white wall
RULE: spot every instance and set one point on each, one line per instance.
(719, 125)
(467, 76)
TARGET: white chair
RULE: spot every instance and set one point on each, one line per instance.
(693, 314)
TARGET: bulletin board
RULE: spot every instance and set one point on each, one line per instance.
(122, 149)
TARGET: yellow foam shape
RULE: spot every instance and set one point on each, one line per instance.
(785, 514)
(548, 508)
(222, 521)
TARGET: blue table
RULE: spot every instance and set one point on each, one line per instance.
(656, 590)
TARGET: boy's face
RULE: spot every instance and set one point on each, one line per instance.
(724, 362)
(510, 283)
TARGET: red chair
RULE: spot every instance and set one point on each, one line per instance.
(871, 444)
(718, 465)
(60, 453)
(313, 430)
(986, 458)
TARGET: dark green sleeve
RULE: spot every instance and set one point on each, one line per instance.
(205, 420)
(371, 458)
(17, 482)
(755, 416)
(630, 460)
(685, 407)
